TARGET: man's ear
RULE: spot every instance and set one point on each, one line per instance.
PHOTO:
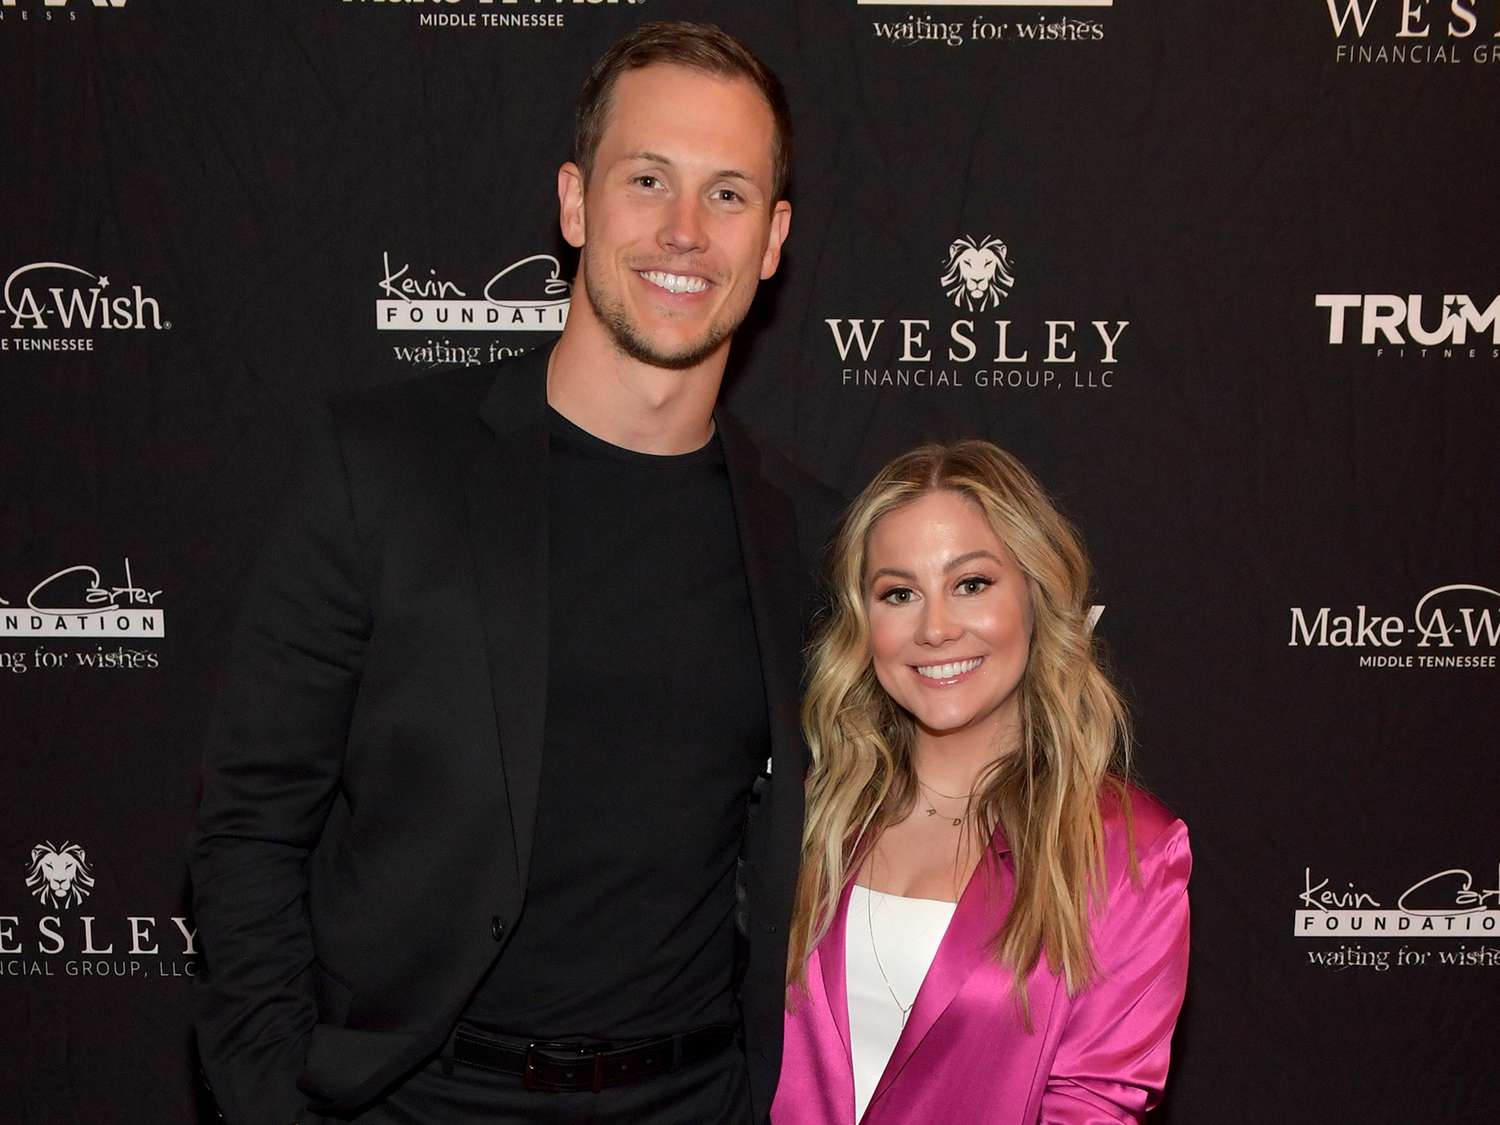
(781, 224)
(570, 203)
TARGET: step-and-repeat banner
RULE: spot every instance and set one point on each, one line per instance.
(1223, 274)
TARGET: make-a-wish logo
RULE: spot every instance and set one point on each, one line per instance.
(60, 875)
(413, 302)
(1413, 32)
(1396, 325)
(1445, 620)
(978, 275)
(482, 14)
(76, 602)
(58, 297)
(1448, 903)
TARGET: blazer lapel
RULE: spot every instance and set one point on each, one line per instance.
(832, 957)
(767, 525)
(964, 947)
(507, 507)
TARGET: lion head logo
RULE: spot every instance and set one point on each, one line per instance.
(978, 273)
(60, 876)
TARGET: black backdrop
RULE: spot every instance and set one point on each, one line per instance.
(1290, 496)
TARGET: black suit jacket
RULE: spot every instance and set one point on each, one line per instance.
(370, 781)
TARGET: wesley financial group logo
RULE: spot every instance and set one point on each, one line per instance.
(60, 875)
(1415, 32)
(973, 341)
(72, 937)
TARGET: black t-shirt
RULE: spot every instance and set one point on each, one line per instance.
(655, 729)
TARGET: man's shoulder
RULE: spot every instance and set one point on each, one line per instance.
(448, 405)
(810, 495)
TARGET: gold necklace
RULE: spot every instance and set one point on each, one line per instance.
(870, 923)
(967, 798)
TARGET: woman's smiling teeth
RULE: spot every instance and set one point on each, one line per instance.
(674, 282)
(948, 671)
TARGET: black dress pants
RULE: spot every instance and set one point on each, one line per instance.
(714, 1092)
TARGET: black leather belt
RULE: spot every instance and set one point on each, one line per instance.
(559, 1067)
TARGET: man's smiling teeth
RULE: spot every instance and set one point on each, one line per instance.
(674, 283)
(948, 671)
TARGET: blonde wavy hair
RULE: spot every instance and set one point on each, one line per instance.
(1044, 795)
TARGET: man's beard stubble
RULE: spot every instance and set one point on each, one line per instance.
(628, 337)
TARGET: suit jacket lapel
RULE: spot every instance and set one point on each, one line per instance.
(767, 525)
(965, 946)
(507, 506)
(832, 959)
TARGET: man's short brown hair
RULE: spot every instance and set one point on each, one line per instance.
(698, 46)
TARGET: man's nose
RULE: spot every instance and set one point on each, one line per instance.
(683, 230)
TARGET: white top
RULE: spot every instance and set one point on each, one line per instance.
(904, 933)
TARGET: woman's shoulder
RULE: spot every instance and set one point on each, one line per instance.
(1138, 823)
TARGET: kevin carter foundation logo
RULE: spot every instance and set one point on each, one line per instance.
(59, 307)
(1454, 626)
(528, 295)
(490, 15)
(72, 937)
(1415, 32)
(986, 22)
(962, 341)
(1453, 904)
(79, 602)
(60, 876)
(1414, 325)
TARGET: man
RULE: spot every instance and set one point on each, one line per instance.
(480, 777)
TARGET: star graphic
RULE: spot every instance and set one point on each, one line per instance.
(1452, 306)
(104, 282)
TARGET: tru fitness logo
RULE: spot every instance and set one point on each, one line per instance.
(54, 11)
(1414, 325)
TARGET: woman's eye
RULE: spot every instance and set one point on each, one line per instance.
(897, 595)
(973, 584)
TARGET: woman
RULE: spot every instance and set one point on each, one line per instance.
(991, 926)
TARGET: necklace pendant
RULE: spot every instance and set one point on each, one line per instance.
(957, 820)
(932, 812)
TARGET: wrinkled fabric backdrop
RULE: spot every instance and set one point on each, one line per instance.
(1222, 275)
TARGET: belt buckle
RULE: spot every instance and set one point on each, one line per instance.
(544, 1054)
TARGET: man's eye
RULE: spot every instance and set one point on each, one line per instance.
(729, 195)
(647, 181)
(973, 584)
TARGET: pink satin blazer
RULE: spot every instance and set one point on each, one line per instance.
(964, 1057)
